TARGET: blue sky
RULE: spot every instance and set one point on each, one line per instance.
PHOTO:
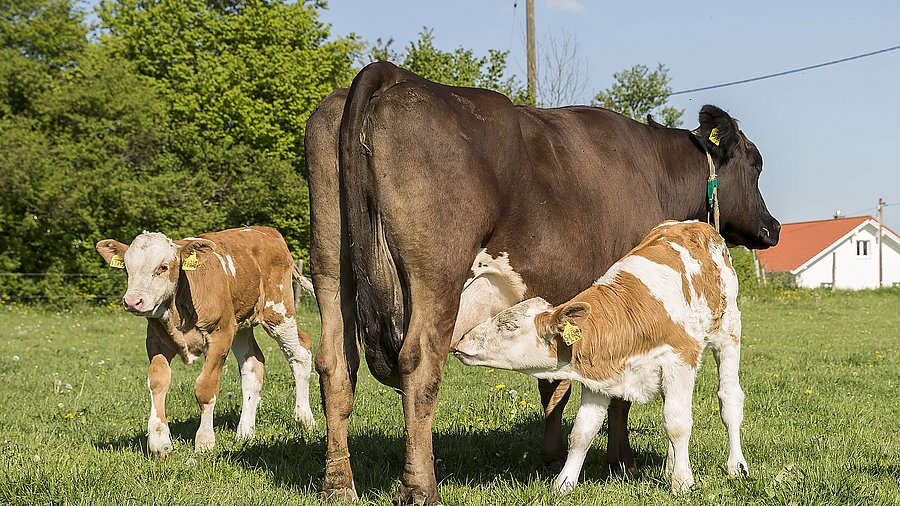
(830, 137)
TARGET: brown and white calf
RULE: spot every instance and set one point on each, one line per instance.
(640, 330)
(203, 296)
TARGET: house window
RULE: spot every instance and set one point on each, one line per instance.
(862, 248)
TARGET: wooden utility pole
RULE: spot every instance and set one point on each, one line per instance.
(880, 240)
(532, 52)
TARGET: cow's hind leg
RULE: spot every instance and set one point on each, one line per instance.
(251, 365)
(554, 396)
(618, 449)
(337, 362)
(587, 424)
(731, 403)
(422, 358)
(296, 345)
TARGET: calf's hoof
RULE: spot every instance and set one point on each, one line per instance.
(305, 418)
(245, 432)
(204, 442)
(412, 495)
(338, 482)
(738, 468)
(564, 485)
(159, 442)
(682, 485)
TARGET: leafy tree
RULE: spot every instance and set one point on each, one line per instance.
(459, 67)
(638, 92)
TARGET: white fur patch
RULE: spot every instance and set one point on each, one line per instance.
(246, 230)
(278, 307)
(231, 265)
(221, 261)
(486, 265)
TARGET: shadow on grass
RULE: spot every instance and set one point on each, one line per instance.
(467, 457)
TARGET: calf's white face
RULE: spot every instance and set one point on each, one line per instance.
(150, 285)
(152, 262)
(510, 340)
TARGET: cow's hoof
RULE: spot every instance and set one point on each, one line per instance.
(204, 442)
(159, 449)
(339, 494)
(410, 495)
(565, 485)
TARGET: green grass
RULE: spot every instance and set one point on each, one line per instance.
(821, 373)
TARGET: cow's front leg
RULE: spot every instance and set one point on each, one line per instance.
(554, 396)
(587, 424)
(618, 449)
(159, 377)
(206, 388)
(251, 365)
(422, 360)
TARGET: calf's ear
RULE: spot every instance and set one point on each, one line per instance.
(575, 313)
(189, 251)
(112, 252)
(719, 132)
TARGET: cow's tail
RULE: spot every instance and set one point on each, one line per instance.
(303, 281)
(380, 282)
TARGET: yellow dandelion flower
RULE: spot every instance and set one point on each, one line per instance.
(501, 386)
(69, 415)
(522, 403)
(809, 391)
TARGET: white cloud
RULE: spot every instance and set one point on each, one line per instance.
(566, 5)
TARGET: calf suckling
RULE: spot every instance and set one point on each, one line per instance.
(638, 331)
(203, 296)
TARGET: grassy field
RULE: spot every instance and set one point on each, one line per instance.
(821, 373)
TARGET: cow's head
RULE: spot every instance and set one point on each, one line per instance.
(744, 218)
(153, 263)
(521, 338)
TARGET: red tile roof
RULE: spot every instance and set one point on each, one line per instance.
(799, 242)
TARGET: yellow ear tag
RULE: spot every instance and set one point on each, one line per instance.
(116, 262)
(571, 334)
(714, 136)
(191, 262)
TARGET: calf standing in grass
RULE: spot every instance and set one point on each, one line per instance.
(638, 331)
(204, 295)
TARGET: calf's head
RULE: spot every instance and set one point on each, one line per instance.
(153, 263)
(744, 217)
(524, 337)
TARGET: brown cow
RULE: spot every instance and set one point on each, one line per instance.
(434, 207)
(203, 296)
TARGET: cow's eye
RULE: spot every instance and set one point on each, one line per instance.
(161, 269)
(508, 326)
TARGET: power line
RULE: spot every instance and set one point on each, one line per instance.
(786, 72)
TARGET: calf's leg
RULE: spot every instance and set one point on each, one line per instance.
(678, 389)
(206, 388)
(731, 404)
(296, 346)
(251, 364)
(587, 423)
(159, 377)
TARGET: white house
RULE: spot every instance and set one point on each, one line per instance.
(842, 251)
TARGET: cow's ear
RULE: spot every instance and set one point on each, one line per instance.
(112, 252)
(191, 251)
(719, 132)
